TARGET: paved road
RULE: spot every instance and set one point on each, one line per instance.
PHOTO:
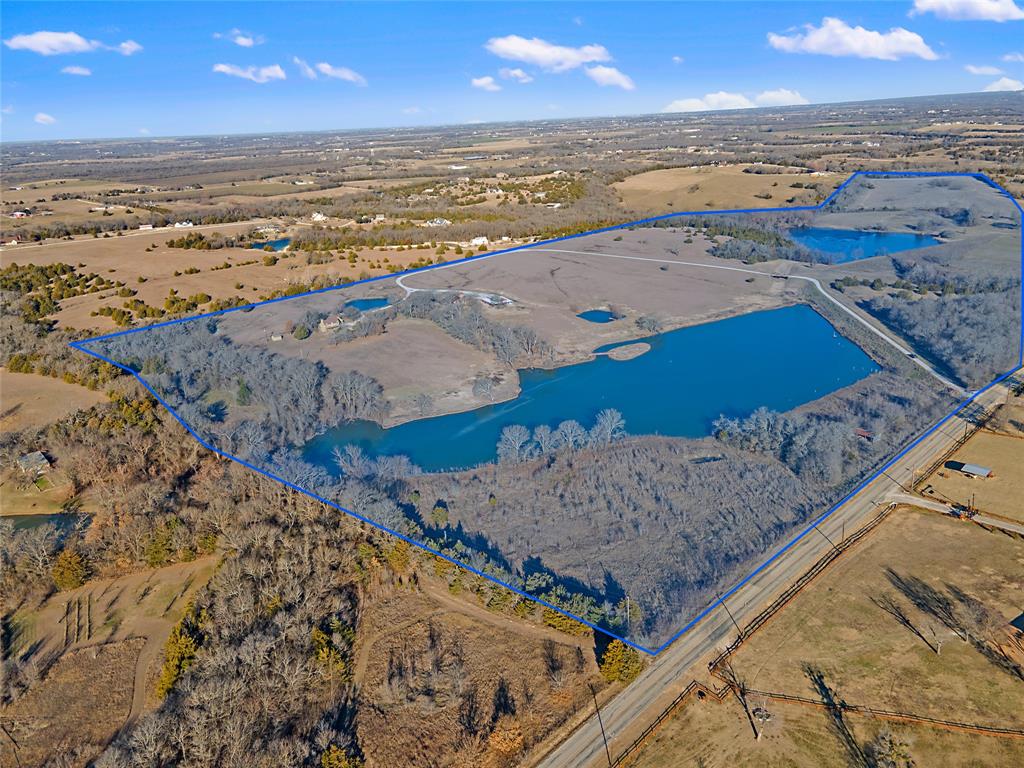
(948, 509)
(641, 702)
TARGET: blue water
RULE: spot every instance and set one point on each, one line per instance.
(598, 316)
(852, 244)
(364, 305)
(63, 522)
(277, 245)
(778, 358)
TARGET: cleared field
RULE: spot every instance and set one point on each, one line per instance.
(551, 286)
(28, 400)
(444, 682)
(717, 735)
(948, 579)
(83, 701)
(720, 187)
(412, 358)
(107, 641)
(20, 497)
(1002, 494)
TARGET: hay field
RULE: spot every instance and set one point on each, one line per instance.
(868, 657)
(28, 400)
(719, 187)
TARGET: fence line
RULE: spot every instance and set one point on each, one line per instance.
(756, 623)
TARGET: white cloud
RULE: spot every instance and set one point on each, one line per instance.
(711, 101)
(56, 43)
(411, 111)
(1014, 57)
(780, 97)
(144, 131)
(983, 70)
(485, 83)
(603, 75)
(44, 119)
(340, 73)
(678, 59)
(547, 56)
(1004, 84)
(970, 10)
(306, 70)
(52, 43)
(76, 70)
(256, 74)
(238, 37)
(515, 74)
(8, 110)
(837, 38)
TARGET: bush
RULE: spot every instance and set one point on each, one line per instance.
(620, 663)
(69, 570)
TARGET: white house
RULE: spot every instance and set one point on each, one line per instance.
(330, 323)
(318, 217)
(476, 241)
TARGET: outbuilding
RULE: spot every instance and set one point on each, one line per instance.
(976, 470)
(34, 463)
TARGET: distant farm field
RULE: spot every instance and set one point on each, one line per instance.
(28, 400)
(720, 187)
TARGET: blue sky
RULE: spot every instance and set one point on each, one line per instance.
(78, 70)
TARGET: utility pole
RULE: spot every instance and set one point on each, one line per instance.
(721, 602)
(600, 722)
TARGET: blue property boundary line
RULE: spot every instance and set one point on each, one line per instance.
(81, 346)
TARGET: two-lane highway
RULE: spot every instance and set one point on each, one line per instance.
(640, 703)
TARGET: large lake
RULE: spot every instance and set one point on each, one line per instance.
(853, 244)
(777, 358)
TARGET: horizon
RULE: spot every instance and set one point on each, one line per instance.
(536, 121)
(91, 76)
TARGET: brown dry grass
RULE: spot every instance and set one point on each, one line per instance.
(718, 187)
(125, 259)
(75, 710)
(1002, 494)
(717, 735)
(868, 657)
(426, 731)
(28, 400)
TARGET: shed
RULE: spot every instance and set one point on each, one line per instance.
(976, 470)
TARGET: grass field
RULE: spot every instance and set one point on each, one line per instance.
(75, 710)
(107, 653)
(422, 657)
(719, 187)
(931, 567)
(710, 734)
(1002, 494)
(28, 400)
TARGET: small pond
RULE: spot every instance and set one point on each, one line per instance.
(845, 245)
(598, 316)
(276, 245)
(365, 305)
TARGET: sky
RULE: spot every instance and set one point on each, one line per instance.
(130, 69)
